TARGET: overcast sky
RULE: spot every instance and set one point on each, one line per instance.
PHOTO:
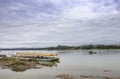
(40, 23)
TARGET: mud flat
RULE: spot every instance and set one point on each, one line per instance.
(69, 76)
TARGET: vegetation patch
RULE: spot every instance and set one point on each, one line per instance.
(16, 64)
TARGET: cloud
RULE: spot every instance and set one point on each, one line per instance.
(52, 22)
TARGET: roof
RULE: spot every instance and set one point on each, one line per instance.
(34, 54)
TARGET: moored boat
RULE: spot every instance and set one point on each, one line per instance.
(92, 52)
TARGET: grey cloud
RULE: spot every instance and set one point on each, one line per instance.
(39, 23)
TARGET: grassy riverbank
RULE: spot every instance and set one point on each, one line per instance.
(16, 64)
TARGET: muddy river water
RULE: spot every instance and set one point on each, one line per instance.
(77, 62)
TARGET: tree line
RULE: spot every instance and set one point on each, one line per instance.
(63, 47)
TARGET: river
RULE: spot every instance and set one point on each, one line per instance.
(77, 62)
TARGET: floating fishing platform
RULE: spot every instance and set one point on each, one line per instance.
(36, 56)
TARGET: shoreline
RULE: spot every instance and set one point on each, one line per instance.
(64, 47)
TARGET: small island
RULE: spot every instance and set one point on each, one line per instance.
(27, 60)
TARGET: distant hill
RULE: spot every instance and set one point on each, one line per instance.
(62, 47)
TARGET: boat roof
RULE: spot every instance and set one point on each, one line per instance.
(35, 54)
